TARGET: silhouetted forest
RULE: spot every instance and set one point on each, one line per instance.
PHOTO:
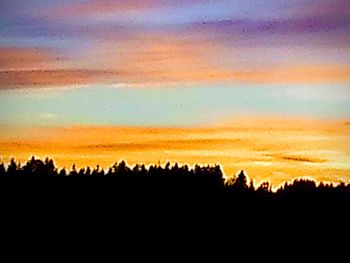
(37, 177)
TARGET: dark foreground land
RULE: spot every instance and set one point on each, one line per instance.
(204, 185)
(150, 206)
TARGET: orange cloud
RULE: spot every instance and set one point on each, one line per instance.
(303, 74)
(93, 7)
(163, 59)
(155, 60)
(27, 58)
(38, 78)
(160, 59)
(98, 7)
(22, 67)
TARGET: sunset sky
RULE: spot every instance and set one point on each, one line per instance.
(187, 66)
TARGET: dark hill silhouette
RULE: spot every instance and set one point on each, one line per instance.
(173, 198)
(170, 178)
(167, 196)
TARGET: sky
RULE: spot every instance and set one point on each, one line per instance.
(194, 64)
(153, 62)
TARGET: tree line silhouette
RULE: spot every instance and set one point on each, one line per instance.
(40, 175)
